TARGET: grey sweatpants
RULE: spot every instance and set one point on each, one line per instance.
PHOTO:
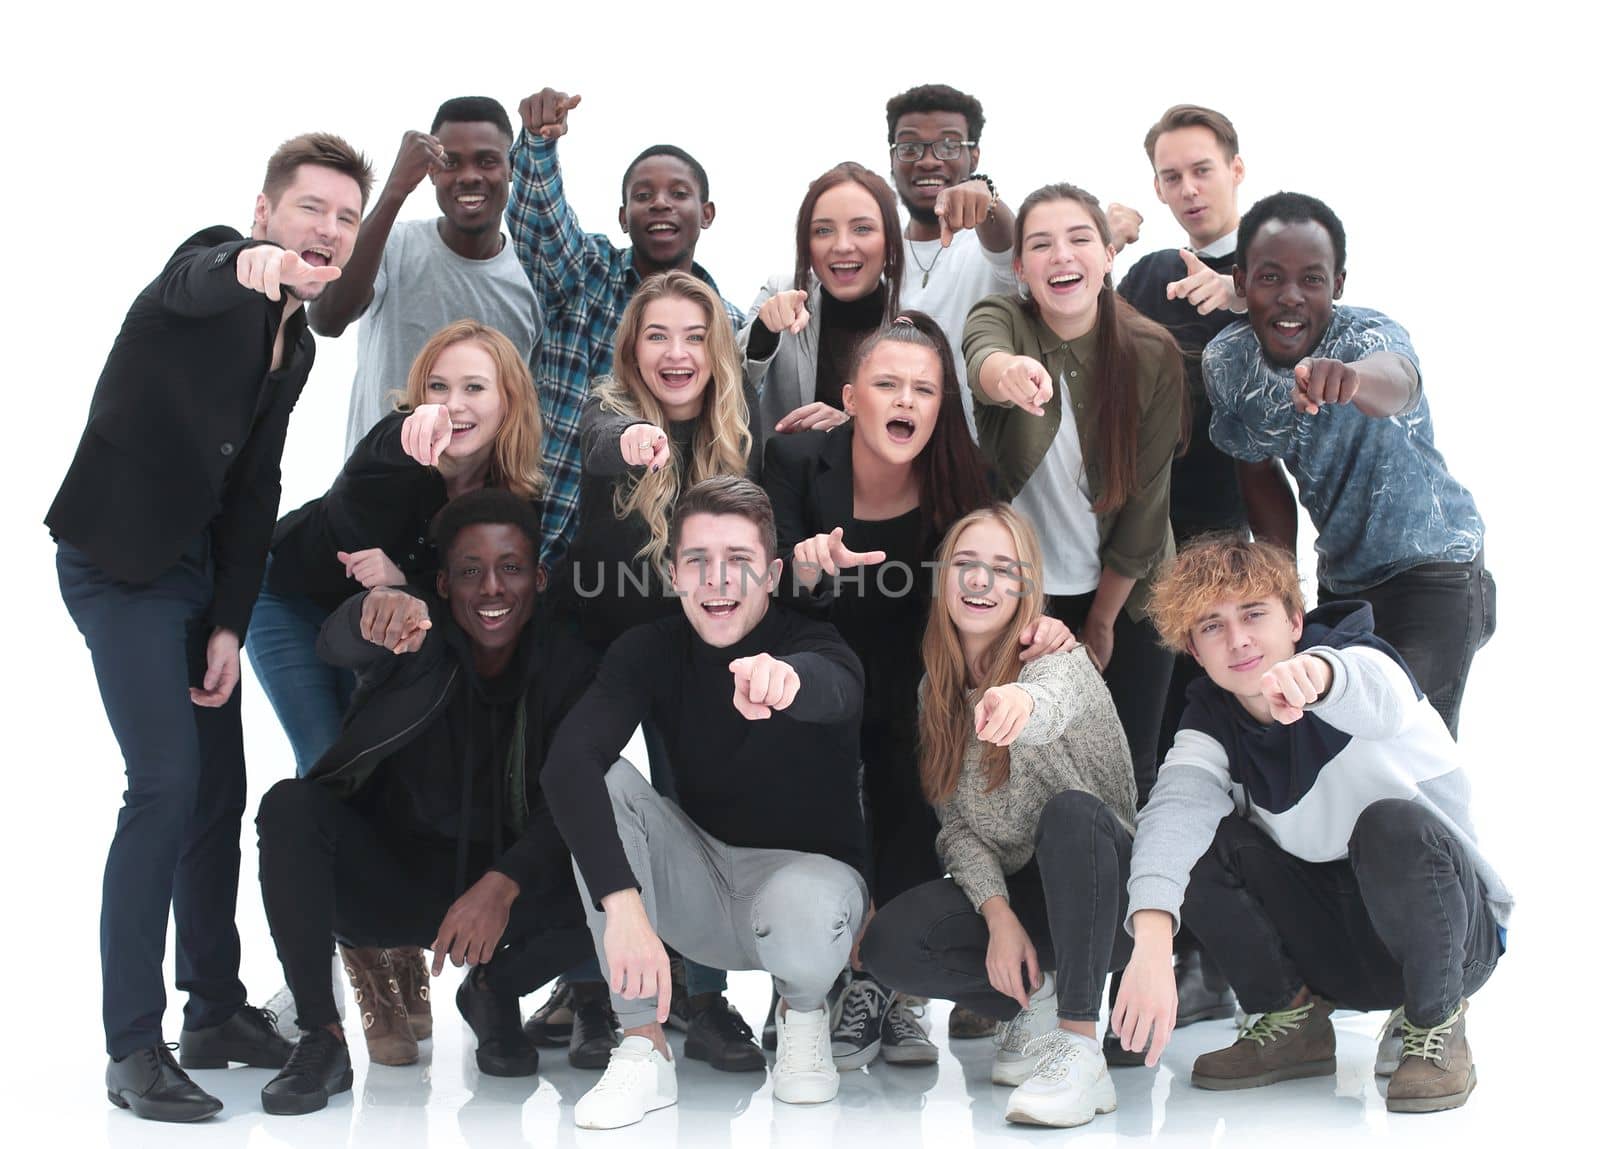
(791, 914)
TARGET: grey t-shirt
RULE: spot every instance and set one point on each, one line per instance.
(421, 286)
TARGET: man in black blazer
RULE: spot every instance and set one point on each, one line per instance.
(162, 526)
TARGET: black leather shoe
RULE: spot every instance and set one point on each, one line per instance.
(594, 1026)
(503, 1049)
(1203, 992)
(719, 1035)
(319, 1067)
(1111, 1045)
(150, 1083)
(551, 1023)
(250, 1036)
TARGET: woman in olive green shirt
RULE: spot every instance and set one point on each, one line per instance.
(1079, 405)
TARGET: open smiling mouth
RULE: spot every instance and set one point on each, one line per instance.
(719, 607)
(662, 228)
(975, 603)
(472, 201)
(1065, 282)
(676, 376)
(317, 256)
(492, 616)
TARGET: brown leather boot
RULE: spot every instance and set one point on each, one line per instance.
(412, 973)
(1436, 1070)
(384, 1018)
(965, 1024)
(1280, 1046)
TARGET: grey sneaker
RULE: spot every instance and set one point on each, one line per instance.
(1390, 1042)
(1014, 1061)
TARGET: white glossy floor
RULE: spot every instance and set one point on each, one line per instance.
(443, 1101)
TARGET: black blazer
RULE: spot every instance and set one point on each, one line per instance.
(186, 429)
(809, 478)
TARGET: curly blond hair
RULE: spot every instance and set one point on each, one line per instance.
(1220, 567)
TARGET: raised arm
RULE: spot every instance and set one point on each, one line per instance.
(544, 229)
(344, 301)
(369, 629)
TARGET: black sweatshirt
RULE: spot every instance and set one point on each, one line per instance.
(1205, 484)
(789, 782)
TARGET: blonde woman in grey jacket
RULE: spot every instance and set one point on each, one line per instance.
(1029, 771)
(848, 255)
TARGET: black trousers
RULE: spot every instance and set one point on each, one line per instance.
(901, 826)
(1137, 679)
(176, 845)
(1437, 615)
(1071, 898)
(326, 868)
(1405, 920)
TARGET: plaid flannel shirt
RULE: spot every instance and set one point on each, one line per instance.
(583, 282)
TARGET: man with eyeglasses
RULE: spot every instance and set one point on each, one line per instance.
(959, 234)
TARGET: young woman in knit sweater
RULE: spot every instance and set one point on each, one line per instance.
(1028, 769)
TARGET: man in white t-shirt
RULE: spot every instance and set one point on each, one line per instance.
(408, 279)
(959, 234)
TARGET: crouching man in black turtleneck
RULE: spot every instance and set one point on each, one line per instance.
(423, 824)
(757, 864)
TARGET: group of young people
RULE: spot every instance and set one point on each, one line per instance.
(929, 581)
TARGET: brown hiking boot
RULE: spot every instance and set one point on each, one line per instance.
(965, 1024)
(384, 1018)
(411, 971)
(1280, 1045)
(1436, 1070)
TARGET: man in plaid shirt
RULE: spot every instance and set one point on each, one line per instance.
(583, 281)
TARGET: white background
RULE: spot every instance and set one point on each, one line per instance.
(1457, 145)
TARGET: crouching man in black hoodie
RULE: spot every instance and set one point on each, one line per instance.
(423, 824)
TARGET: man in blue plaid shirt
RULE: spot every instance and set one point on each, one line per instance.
(583, 281)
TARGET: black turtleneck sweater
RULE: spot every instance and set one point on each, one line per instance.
(1205, 484)
(789, 782)
(840, 328)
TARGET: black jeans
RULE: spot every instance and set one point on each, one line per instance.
(327, 868)
(1437, 615)
(1137, 679)
(1071, 898)
(1405, 920)
(176, 846)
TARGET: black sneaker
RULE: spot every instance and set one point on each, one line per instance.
(250, 1036)
(905, 1042)
(150, 1083)
(503, 1049)
(1111, 1045)
(719, 1035)
(1203, 993)
(594, 1026)
(318, 1068)
(858, 1034)
(551, 1023)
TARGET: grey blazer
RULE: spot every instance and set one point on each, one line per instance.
(789, 378)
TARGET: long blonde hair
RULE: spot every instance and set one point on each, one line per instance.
(945, 722)
(517, 463)
(722, 438)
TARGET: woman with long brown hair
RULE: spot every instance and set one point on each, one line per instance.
(1079, 402)
(1028, 770)
(807, 323)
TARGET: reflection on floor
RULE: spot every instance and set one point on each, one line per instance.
(444, 1101)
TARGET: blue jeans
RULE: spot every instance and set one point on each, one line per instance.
(176, 845)
(308, 696)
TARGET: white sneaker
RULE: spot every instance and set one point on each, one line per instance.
(804, 1073)
(1389, 1043)
(1068, 1087)
(1013, 1062)
(281, 1004)
(637, 1080)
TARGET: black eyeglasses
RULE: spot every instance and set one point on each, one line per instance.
(944, 148)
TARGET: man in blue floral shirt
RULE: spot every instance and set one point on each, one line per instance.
(1336, 393)
(583, 280)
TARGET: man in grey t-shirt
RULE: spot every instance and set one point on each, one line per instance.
(407, 280)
